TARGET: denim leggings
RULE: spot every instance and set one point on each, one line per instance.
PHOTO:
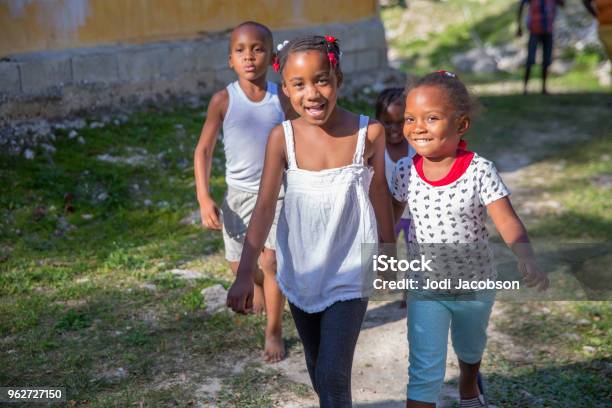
(329, 339)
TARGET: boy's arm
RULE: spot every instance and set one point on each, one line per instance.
(240, 295)
(515, 236)
(203, 157)
(379, 190)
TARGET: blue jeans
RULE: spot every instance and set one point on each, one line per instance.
(329, 339)
(547, 48)
(428, 325)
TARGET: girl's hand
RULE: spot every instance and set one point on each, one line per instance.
(240, 296)
(534, 277)
(209, 212)
(515, 236)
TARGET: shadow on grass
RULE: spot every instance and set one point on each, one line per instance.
(536, 127)
(576, 385)
(122, 340)
(560, 355)
(573, 225)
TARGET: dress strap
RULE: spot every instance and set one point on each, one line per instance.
(290, 146)
(361, 137)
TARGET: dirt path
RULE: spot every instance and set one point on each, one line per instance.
(381, 362)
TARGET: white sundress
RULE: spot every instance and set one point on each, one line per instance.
(326, 217)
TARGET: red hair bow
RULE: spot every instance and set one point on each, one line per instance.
(276, 64)
(330, 38)
(332, 59)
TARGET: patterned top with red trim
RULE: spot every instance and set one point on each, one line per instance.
(453, 209)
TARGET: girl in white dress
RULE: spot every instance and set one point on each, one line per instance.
(332, 164)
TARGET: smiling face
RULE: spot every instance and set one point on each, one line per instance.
(431, 125)
(393, 120)
(310, 85)
(250, 52)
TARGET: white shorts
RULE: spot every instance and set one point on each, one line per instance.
(236, 212)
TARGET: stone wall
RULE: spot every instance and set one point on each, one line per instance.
(52, 84)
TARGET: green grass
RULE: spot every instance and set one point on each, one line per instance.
(587, 203)
(563, 353)
(519, 123)
(72, 302)
(74, 308)
(437, 30)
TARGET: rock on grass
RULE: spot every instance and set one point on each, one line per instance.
(215, 297)
(187, 274)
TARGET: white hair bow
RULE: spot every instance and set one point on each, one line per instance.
(281, 45)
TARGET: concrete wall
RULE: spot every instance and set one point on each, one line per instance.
(54, 83)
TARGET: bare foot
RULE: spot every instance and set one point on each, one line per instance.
(274, 350)
(259, 304)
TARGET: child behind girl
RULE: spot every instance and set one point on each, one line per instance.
(331, 162)
(390, 113)
(247, 109)
(449, 191)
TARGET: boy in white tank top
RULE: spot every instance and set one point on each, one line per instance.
(247, 109)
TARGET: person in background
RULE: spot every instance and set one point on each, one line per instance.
(540, 22)
(390, 113)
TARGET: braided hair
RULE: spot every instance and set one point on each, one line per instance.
(326, 45)
(458, 95)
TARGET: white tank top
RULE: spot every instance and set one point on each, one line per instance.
(326, 217)
(246, 127)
